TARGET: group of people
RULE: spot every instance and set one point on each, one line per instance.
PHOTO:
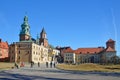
(20, 65)
(48, 64)
(51, 63)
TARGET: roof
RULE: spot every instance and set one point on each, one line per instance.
(68, 50)
(109, 49)
(43, 31)
(62, 48)
(26, 41)
(110, 40)
(88, 50)
(4, 45)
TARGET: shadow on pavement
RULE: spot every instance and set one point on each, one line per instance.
(114, 74)
(9, 76)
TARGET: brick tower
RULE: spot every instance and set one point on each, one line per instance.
(43, 38)
(110, 43)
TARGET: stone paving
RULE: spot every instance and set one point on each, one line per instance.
(43, 73)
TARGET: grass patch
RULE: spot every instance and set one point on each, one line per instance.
(6, 65)
(90, 67)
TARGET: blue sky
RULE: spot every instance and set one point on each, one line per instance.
(75, 23)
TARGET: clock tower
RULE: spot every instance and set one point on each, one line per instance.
(43, 38)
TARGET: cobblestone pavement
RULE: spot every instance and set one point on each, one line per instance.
(43, 73)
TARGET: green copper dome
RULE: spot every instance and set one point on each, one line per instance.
(25, 27)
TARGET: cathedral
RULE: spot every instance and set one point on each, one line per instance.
(25, 34)
(29, 49)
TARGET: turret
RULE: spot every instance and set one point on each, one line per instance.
(110, 43)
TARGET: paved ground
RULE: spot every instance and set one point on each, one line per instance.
(43, 73)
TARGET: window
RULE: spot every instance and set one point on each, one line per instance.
(19, 52)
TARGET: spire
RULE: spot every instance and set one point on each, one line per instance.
(43, 31)
(43, 34)
(25, 30)
(43, 38)
(25, 27)
(25, 19)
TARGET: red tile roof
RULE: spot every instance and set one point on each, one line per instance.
(88, 50)
(4, 45)
(109, 49)
(68, 50)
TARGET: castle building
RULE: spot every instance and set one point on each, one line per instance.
(29, 49)
(27, 52)
(4, 51)
(90, 55)
(69, 55)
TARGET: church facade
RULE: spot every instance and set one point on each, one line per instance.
(29, 49)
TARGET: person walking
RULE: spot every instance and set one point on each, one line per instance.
(22, 64)
(38, 64)
(50, 64)
(16, 65)
(31, 64)
(54, 64)
(46, 64)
